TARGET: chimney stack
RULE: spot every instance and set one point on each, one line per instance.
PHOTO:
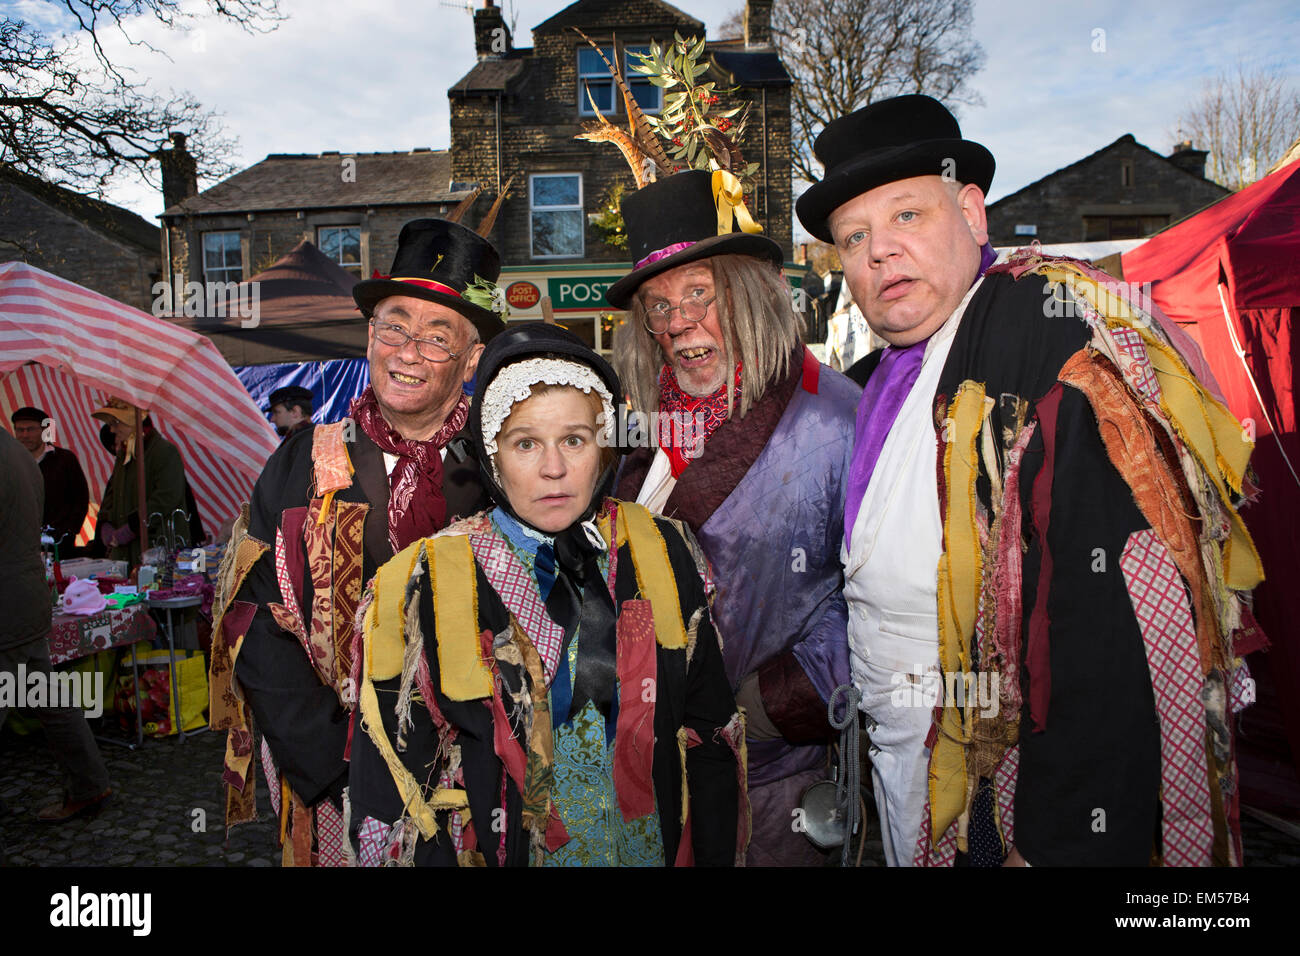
(491, 35)
(180, 178)
(758, 23)
(1189, 160)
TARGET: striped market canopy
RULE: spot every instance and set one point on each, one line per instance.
(66, 349)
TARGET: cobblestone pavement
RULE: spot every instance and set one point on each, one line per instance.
(167, 811)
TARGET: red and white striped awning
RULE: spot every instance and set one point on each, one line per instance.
(66, 349)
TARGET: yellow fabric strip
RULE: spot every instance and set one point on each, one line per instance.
(959, 582)
(729, 198)
(654, 573)
(686, 790)
(1211, 433)
(386, 621)
(412, 800)
(465, 676)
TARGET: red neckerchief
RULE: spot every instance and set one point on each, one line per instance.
(680, 408)
(416, 505)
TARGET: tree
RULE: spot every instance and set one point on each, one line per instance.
(843, 54)
(1246, 121)
(71, 116)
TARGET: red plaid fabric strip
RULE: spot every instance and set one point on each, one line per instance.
(518, 591)
(1165, 620)
(1004, 782)
(372, 840)
(272, 777)
(945, 854)
(1241, 688)
(1135, 364)
(329, 835)
(457, 825)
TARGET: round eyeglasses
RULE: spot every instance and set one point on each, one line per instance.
(692, 306)
(431, 350)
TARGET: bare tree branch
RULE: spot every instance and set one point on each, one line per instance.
(843, 54)
(79, 119)
(1246, 121)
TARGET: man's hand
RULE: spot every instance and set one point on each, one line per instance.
(1014, 859)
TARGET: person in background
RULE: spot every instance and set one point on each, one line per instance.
(67, 497)
(24, 636)
(164, 486)
(290, 409)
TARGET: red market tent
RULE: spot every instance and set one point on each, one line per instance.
(1230, 276)
(67, 349)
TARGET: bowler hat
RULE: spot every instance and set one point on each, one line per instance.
(675, 221)
(888, 140)
(290, 395)
(438, 260)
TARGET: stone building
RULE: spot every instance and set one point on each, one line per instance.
(518, 111)
(351, 206)
(88, 241)
(1122, 191)
(515, 114)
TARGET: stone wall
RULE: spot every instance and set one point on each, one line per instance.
(34, 232)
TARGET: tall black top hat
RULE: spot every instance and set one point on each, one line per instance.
(675, 221)
(891, 139)
(438, 260)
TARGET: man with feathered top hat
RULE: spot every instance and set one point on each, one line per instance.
(333, 504)
(747, 440)
(1046, 573)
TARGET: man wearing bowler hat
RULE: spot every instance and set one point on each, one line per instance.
(332, 505)
(751, 450)
(290, 409)
(1044, 565)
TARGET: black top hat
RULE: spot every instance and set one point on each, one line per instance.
(678, 211)
(290, 395)
(892, 139)
(437, 260)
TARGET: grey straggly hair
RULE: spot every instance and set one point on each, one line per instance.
(758, 321)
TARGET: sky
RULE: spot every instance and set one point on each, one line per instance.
(1059, 82)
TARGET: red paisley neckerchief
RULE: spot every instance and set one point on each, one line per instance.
(675, 402)
(416, 505)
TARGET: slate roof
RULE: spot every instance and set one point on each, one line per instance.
(112, 221)
(316, 181)
(589, 15)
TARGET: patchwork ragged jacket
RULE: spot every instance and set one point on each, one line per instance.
(1095, 562)
(765, 499)
(453, 759)
(288, 593)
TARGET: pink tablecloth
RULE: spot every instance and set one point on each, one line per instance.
(73, 637)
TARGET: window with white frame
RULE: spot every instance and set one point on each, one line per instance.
(341, 244)
(555, 207)
(594, 78)
(222, 260)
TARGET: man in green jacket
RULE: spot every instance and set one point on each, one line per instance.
(164, 485)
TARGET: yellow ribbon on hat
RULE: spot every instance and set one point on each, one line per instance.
(729, 198)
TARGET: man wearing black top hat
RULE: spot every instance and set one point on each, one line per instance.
(712, 342)
(333, 504)
(1032, 539)
(290, 409)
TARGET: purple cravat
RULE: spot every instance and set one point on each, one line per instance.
(881, 401)
(884, 395)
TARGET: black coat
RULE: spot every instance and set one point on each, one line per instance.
(695, 695)
(299, 716)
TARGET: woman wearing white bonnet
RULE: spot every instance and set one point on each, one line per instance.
(535, 678)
